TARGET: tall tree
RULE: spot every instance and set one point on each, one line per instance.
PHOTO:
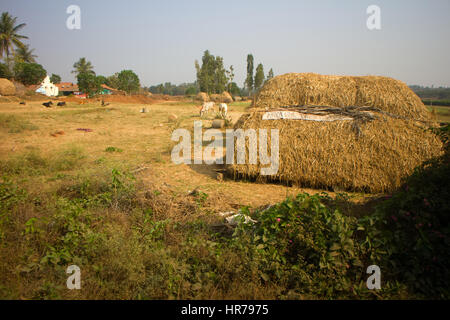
(211, 75)
(83, 66)
(230, 78)
(207, 71)
(25, 54)
(259, 76)
(220, 78)
(249, 79)
(270, 75)
(9, 36)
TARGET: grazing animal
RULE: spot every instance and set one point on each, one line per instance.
(61, 104)
(206, 107)
(47, 104)
(223, 109)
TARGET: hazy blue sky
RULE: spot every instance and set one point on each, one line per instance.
(160, 40)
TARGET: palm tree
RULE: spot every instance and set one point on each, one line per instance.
(83, 66)
(8, 34)
(24, 54)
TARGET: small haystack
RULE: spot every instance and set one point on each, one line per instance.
(7, 88)
(202, 96)
(387, 94)
(356, 148)
(226, 97)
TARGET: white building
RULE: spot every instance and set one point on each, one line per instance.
(48, 88)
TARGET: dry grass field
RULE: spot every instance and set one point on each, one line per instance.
(110, 200)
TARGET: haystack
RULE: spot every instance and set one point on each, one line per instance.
(216, 97)
(387, 94)
(202, 96)
(362, 149)
(7, 88)
(226, 97)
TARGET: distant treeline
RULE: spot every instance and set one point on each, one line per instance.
(427, 93)
(173, 89)
(437, 102)
(186, 89)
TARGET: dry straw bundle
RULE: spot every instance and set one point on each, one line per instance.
(368, 132)
(202, 96)
(369, 154)
(313, 89)
(7, 88)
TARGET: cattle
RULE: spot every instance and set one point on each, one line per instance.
(61, 104)
(206, 107)
(47, 104)
(223, 108)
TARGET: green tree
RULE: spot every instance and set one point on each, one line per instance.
(235, 90)
(88, 83)
(55, 78)
(83, 66)
(25, 54)
(259, 76)
(128, 81)
(270, 75)
(9, 36)
(29, 73)
(190, 91)
(4, 71)
(220, 78)
(102, 79)
(230, 78)
(206, 72)
(211, 75)
(249, 79)
(113, 81)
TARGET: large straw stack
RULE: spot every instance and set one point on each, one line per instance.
(7, 87)
(370, 153)
(313, 89)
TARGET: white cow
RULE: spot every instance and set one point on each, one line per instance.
(206, 107)
(223, 108)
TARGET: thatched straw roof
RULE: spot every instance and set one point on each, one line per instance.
(354, 149)
(387, 94)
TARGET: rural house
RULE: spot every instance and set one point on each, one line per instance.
(67, 88)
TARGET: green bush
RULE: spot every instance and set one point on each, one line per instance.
(310, 248)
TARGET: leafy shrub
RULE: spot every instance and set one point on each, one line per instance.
(308, 247)
(113, 149)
